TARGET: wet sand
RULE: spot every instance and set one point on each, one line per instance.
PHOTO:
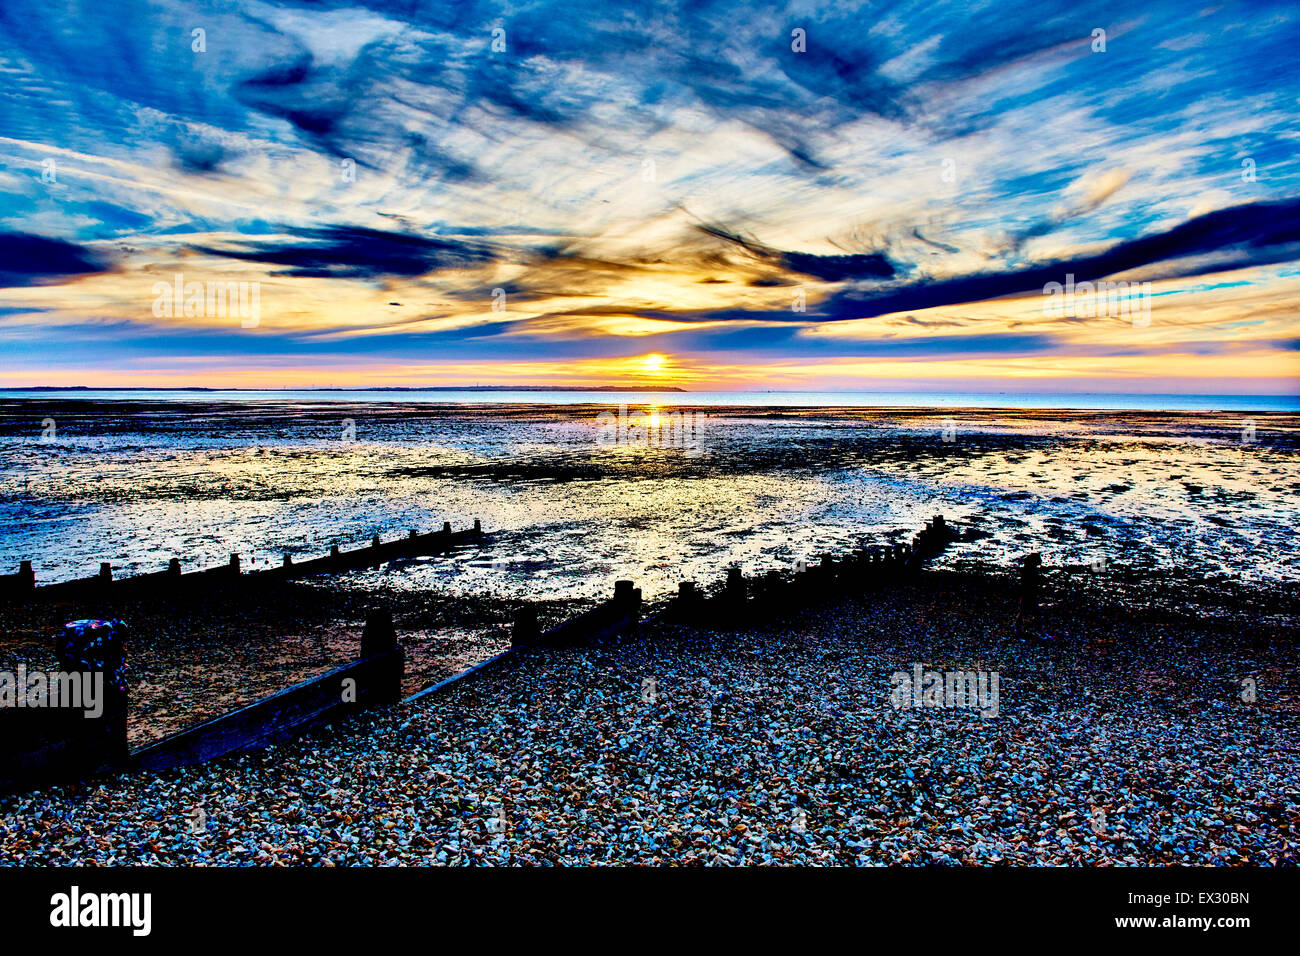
(136, 483)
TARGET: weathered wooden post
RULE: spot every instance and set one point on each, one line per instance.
(525, 630)
(826, 572)
(735, 579)
(374, 542)
(1031, 579)
(379, 642)
(627, 601)
(410, 532)
(174, 568)
(26, 576)
(733, 593)
(860, 573)
(446, 527)
(478, 526)
(686, 606)
(57, 744)
(378, 635)
(234, 564)
(105, 572)
(760, 589)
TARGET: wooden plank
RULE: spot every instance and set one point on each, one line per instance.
(281, 716)
(171, 582)
(457, 678)
(605, 620)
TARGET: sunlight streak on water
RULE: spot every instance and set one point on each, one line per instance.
(137, 485)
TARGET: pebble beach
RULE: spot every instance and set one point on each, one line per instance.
(1127, 738)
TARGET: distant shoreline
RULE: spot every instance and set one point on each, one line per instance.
(326, 388)
(539, 395)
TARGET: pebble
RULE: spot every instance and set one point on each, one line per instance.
(771, 745)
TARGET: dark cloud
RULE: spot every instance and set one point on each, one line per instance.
(828, 268)
(942, 247)
(27, 260)
(357, 253)
(313, 101)
(1240, 236)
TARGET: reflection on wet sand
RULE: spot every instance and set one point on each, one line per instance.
(138, 483)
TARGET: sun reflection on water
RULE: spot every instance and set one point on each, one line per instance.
(568, 514)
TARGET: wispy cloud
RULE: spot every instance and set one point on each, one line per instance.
(736, 186)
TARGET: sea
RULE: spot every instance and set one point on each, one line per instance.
(577, 489)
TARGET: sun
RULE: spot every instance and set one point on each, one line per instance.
(654, 362)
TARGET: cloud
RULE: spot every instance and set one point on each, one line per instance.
(1248, 235)
(829, 267)
(351, 252)
(560, 166)
(27, 260)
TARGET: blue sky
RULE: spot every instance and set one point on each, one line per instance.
(706, 194)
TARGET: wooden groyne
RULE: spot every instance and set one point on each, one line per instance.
(39, 746)
(741, 600)
(48, 746)
(619, 616)
(43, 746)
(375, 677)
(172, 583)
(22, 584)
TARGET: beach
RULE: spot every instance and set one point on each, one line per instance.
(1125, 739)
(1149, 719)
(571, 502)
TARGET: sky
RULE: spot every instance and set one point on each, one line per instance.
(703, 195)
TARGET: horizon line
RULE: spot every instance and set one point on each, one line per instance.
(628, 388)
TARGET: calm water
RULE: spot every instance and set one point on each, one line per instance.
(1143, 401)
(573, 502)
